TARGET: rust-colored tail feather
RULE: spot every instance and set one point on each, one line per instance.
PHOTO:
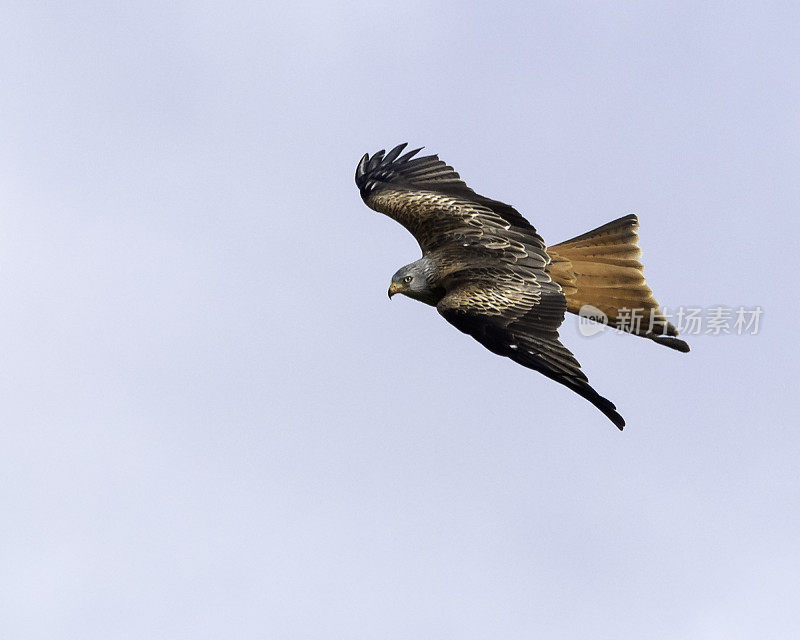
(602, 268)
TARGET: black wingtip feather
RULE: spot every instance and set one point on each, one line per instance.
(381, 165)
(407, 156)
(608, 408)
(361, 169)
(605, 405)
(392, 155)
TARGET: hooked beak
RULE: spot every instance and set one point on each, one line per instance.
(395, 287)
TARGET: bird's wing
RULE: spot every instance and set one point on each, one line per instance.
(515, 312)
(429, 198)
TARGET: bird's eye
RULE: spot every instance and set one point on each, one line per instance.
(407, 279)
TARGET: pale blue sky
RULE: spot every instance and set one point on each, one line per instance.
(215, 424)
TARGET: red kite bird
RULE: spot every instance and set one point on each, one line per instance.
(489, 273)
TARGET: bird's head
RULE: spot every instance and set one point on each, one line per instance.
(413, 281)
(407, 280)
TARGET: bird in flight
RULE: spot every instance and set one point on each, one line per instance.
(489, 273)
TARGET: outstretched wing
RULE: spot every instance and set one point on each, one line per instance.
(516, 313)
(429, 198)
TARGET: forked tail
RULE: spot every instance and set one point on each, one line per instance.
(602, 268)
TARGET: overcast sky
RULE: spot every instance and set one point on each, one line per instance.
(215, 424)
